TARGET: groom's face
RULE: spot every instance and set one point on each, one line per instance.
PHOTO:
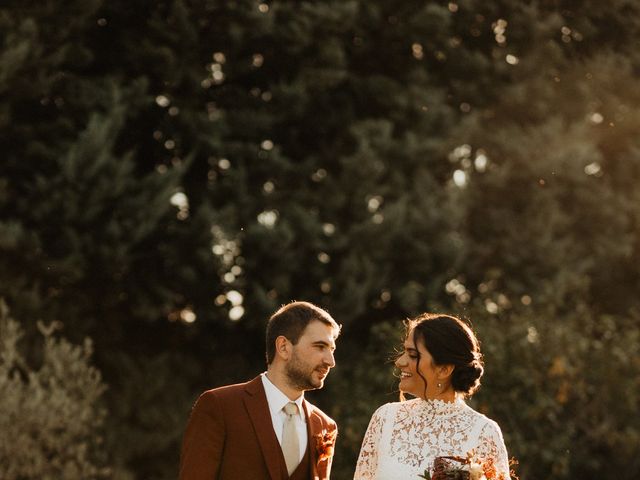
(312, 357)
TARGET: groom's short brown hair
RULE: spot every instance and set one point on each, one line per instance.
(290, 321)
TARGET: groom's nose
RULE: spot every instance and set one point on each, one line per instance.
(329, 359)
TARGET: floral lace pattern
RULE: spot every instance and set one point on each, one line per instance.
(404, 438)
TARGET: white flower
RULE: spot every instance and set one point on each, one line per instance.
(476, 472)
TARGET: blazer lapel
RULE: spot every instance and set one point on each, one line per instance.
(258, 408)
(314, 428)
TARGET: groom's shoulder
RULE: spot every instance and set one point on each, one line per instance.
(313, 410)
(232, 391)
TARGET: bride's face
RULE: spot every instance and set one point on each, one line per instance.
(418, 375)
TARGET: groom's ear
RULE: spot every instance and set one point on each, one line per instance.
(283, 347)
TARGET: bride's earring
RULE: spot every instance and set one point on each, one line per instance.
(439, 385)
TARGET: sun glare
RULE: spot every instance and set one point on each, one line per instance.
(460, 178)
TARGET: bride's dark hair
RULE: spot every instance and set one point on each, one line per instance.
(450, 341)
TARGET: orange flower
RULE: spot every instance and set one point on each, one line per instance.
(490, 469)
(325, 442)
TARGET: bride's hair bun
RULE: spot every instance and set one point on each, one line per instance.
(450, 341)
(466, 379)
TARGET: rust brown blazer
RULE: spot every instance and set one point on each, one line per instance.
(230, 436)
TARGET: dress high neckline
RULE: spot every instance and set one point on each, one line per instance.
(441, 406)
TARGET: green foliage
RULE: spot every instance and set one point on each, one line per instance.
(564, 386)
(379, 158)
(551, 284)
(51, 422)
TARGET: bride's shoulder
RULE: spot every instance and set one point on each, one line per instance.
(394, 407)
(489, 425)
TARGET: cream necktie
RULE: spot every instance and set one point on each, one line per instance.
(290, 441)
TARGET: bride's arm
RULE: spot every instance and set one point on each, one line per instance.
(492, 447)
(368, 458)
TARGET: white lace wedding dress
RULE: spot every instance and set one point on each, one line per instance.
(404, 438)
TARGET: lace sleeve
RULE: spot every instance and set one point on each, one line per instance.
(368, 458)
(492, 446)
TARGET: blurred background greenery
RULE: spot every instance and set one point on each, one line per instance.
(173, 171)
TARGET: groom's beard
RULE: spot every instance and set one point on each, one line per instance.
(300, 374)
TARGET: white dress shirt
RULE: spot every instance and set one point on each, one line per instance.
(277, 400)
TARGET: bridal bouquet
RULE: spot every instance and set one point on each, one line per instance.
(461, 468)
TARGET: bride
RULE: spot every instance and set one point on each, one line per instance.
(440, 365)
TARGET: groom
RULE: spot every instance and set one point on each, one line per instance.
(264, 429)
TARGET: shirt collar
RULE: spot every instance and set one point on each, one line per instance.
(277, 400)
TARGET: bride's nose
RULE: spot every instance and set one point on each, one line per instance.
(401, 361)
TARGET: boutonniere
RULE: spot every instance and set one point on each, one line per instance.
(325, 442)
